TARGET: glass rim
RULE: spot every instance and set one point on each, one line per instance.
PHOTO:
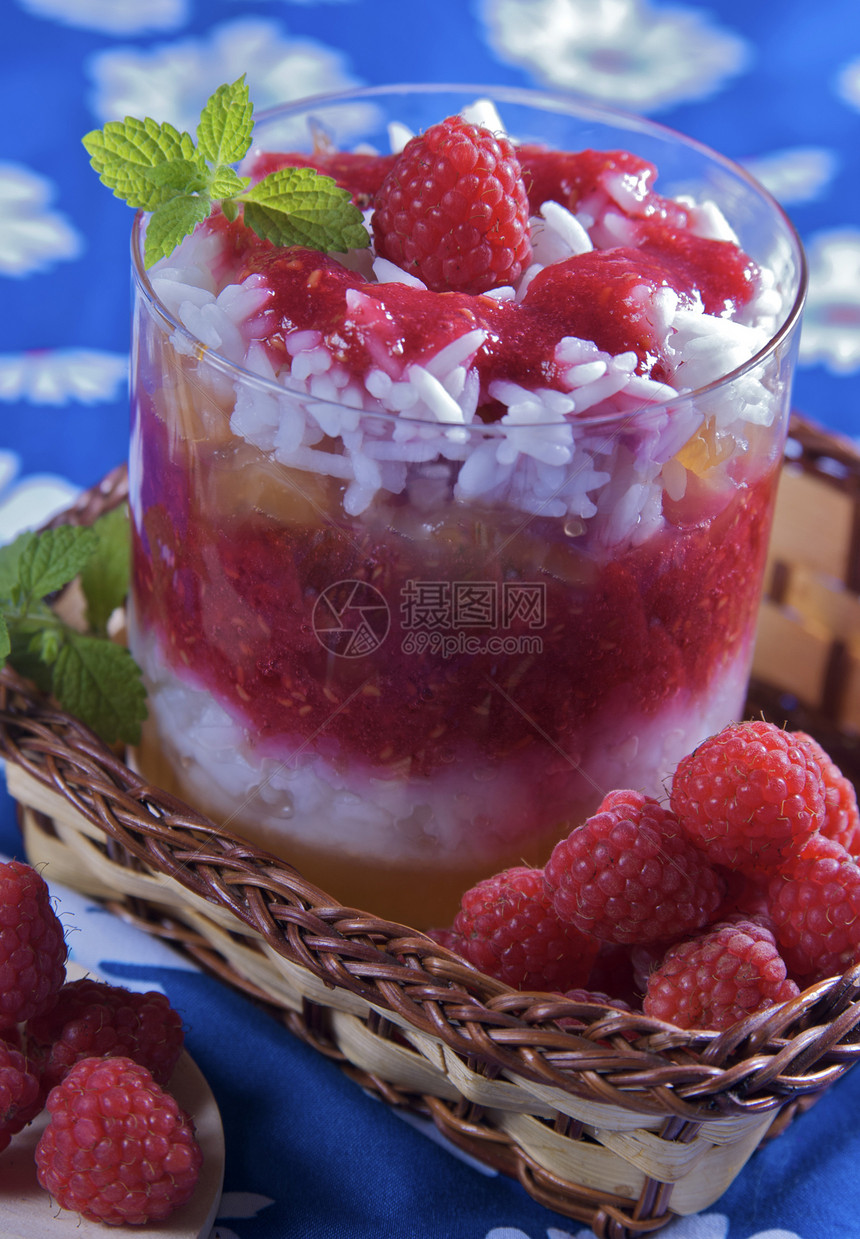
(564, 103)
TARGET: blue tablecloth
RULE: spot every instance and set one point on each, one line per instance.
(777, 87)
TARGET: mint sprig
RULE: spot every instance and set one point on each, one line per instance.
(155, 168)
(91, 676)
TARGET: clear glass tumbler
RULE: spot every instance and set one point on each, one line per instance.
(404, 649)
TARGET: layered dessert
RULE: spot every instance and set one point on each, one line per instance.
(430, 555)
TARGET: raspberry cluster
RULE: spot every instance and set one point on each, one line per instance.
(85, 1050)
(725, 901)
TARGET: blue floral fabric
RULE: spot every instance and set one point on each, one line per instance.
(776, 87)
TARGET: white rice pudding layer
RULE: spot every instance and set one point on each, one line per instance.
(468, 811)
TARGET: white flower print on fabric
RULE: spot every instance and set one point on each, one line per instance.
(173, 81)
(237, 1205)
(112, 16)
(101, 943)
(624, 52)
(848, 83)
(830, 334)
(32, 236)
(62, 376)
(28, 503)
(799, 174)
(699, 1226)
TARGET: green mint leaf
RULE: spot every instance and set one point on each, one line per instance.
(53, 558)
(25, 655)
(178, 176)
(124, 154)
(105, 575)
(298, 206)
(226, 184)
(157, 169)
(9, 557)
(46, 645)
(170, 222)
(99, 682)
(90, 676)
(226, 124)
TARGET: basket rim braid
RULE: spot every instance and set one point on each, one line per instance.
(621, 1121)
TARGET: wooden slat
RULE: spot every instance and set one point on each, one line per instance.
(392, 1062)
(710, 1178)
(813, 524)
(850, 712)
(574, 1161)
(823, 604)
(790, 656)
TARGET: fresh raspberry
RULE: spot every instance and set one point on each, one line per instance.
(32, 945)
(94, 1019)
(509, 930)
(21, 1094)
(591, 997)
(749, 796)
(117, 1149)
(448, 938)
(841, 815)
(453, 210)
(814, 903)
(629, 874)
(597, 997)
(718, 978)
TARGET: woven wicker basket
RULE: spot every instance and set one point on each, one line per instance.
(621, 1125)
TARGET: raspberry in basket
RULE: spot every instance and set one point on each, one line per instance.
(21, 1094)
(841, 815)
(509, 930)
(94, 1019)
(629, 874)
(32, 945)
(814, 904)
(749, 796)
(117, 1149)
(448, 938)
(453, 210)
(718, 978)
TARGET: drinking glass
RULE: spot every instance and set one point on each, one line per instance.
(404, 650)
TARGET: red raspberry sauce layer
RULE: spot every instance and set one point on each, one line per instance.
(233, 603)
